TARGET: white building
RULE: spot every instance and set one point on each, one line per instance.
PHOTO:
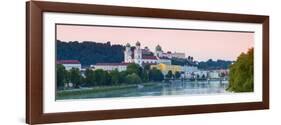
(168, 54)
(189, 69)
(110, 66)
(164, 60)
(160, 53)
(149, 60)
(213, 74)
(144, 56)
(69, 64)
(178, 55)
(138, 54)
(128, 54)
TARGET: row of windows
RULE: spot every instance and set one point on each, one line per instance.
(149, 61)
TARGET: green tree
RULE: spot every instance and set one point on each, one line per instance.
(241, 75)
(67, 76)
(177, 75)
(102, 77)
(133, 79)
(75, 77)
(89, 77)
(147, 67)
(155, 75)
(169, 75)
(141, 72)
(82, 80)
(115, 77)
(61, 76)
(134, 68)
(145, 76)
(107, 78)
(123, 75)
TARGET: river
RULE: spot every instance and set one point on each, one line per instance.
(175, 88)
(161, 89)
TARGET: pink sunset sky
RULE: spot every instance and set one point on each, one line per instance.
(202, 45)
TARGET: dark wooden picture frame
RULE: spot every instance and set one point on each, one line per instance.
(34, 61)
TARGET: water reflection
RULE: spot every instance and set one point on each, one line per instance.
(171, 88)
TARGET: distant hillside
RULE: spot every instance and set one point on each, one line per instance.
(90, 52)
(211, 64)
(182, 62)
(204, 65)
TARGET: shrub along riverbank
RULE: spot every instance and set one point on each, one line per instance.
(93, 78)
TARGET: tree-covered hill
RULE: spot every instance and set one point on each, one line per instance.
(211, 64)
(204, 65)
(89, 52)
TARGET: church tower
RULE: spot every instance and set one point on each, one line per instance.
(128, 54)
(158, 51)
(138, 54)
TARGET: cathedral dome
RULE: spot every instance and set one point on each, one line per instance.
(158, 48)
(138, 43)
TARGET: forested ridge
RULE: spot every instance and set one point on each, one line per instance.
(90, 52)
(214, 64)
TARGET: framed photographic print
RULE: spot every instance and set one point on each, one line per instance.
(95, 62)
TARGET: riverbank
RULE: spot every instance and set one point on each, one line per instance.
(97, 92)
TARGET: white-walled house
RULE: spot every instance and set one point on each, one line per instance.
(164, 60)
(178, 55)
(218, 73)
(213, 74)
(69, 64)
(149, 59)
(189, 69)
(110, 66)
(201, 74)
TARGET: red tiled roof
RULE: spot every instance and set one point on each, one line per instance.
(149, 57)
(112, 64)
(68, 62)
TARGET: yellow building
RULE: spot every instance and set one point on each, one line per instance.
(164, 68)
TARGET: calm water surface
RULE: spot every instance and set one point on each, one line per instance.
(164, 89)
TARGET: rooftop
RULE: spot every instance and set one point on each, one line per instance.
(112, 64)
(150, 57)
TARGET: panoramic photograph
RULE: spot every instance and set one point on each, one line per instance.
(95, 61)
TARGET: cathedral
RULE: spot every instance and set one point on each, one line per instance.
(143, 56)
(135, 54)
